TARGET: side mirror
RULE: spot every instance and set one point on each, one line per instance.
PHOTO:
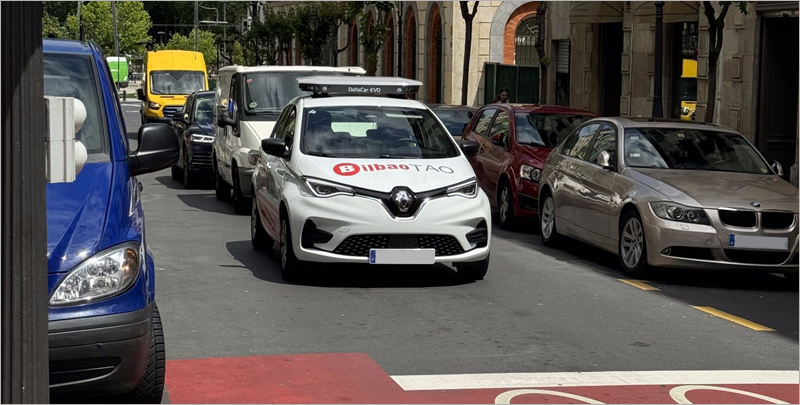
(275, 147)
(497, 139)
(140, 94)
(470, 114)
(180, 117)
(158, 149)
(605, 160)
(777, 167)
(224, 121)
(470, 148)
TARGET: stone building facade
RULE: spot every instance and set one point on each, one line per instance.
(601, 57)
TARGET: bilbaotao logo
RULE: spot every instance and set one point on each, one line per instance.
(346, 169)
(349, 169)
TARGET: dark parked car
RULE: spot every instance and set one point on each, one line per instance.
(454, 117)
(194, 127)
(515, 140)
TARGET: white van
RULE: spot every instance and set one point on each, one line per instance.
(249, 101)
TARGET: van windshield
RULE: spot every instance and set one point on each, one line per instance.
(269, 92)
(181, 82)
(73, 76)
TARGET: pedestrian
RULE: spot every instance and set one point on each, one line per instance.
(502, 97)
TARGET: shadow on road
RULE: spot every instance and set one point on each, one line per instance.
(207, 202)
(265, 266)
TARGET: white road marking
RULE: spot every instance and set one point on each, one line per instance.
(506, 397)
(603, 378)
(678, 394)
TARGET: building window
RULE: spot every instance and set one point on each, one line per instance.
(353, 45)
(411, 46)
(562, 72)
(525, 43)
(388, 48)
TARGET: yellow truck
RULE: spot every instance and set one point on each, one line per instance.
(689, 90)
(170, 76)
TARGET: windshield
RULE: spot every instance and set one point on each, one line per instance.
(73, 76)
(689, 149)
(542, 129)
(375, 132)
(176, 82)
(454, 120)
(688, 89)
(204, 110)
(269, 92)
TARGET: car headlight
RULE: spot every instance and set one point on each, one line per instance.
(153, 106)
(105, 274)
(467, 189)
(530, 173)
(681, 213)
(322, 188)
(199, 138)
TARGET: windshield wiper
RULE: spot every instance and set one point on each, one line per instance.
(318, 153)
(394, 157)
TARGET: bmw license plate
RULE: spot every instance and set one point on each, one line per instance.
(402, 256)
(759, 242)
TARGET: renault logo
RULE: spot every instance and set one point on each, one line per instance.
(403, 200)
(755, 204)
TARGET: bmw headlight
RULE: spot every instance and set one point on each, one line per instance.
(200, 138)
(153, 106)
(681, 213)
(322, 188)
(530, 173)
(467, 189)
(105, 274)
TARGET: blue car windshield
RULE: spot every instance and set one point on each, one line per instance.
(204, 110)
(74, 76)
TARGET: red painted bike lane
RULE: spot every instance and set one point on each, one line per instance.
(356, 378)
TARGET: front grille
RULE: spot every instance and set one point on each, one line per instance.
(756, 256)
(777, 220)
(360, 245)
(172, 110)
(742, 219)
(201, 160)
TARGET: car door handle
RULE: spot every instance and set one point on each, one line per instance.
(280, 172)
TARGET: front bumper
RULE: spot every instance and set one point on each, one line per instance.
(704, 247)
(246, 180)
(527, 199)
(200, 158)
(99, 355)
(447, 219)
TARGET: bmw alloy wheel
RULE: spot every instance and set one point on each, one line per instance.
(548, 217)
(632, 242)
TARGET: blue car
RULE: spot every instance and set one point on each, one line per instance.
(105, 331)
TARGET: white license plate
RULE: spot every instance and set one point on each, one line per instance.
(402, 256)
(759, 242)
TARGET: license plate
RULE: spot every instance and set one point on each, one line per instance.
(402, 256)
(759, 242)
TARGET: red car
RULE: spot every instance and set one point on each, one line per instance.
(513, 151)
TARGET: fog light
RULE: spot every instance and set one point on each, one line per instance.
(666, 252)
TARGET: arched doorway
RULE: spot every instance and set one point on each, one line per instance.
(525, 42)
(410, 68)
(352, 53)
(434, 66)
(388, 47)
(514, 26)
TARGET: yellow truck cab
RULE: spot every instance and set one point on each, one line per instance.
(689, 90)
(170, 76)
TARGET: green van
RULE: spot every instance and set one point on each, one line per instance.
(119, 70)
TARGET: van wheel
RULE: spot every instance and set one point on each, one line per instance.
(258, 236)
(223, 190)
(473, 270)
(290, 265)
(177, 173)
(632, 245)
(241, 204)
(151, 388)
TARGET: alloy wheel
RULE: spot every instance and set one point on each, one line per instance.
(632, 243)
(284, 244)
(254, 221)
(548, 217)
(504, 203)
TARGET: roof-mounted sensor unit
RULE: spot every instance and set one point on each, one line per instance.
(362, 86)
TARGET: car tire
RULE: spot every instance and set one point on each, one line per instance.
(258, 236)
(223, 190)
(241, 204)
(632, 245)
(189, 181)
(505, 207)
(473, 270)
(290, 265)
(151, 387)
(547, 221)
(177, 173)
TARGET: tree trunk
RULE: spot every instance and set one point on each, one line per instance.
(468, 18)
(716, 27)
(540, 51)
(711, 102)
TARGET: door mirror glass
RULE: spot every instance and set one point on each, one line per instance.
(470, 148)
(275, 147)
(157, 149)
(604, 159)
(140, 94)
(777, 167)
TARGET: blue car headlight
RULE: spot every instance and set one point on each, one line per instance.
(105, 274)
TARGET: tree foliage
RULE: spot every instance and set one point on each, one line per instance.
(133, 22)
(205, 44)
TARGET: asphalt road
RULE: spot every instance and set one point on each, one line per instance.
(537, 310)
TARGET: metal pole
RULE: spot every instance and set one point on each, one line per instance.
(80, 22)
(400, 39)
(225, 28)
(25, 366)
(195, 25)
(116, 37)
(658, 109)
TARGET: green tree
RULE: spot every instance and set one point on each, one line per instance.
(716, 27)
(133, 22)
(52, 28)
(205, 44)
(373, 31)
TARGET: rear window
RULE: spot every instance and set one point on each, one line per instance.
(454, 120)
(74, 76)
(543, 129)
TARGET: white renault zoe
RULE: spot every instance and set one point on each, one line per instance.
(357, 173)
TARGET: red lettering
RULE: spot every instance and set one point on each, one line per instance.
(404, 167)
(346, 169)
(380, 167)
(391, 167)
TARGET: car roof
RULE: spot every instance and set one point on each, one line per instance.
(66, 46)
(433, 106)
(645, 122)
(205, 93)
(350, 100)
(251, 69)
(545, 108)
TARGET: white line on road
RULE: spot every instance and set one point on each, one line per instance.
(604, 378)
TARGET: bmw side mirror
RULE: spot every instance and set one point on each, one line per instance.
(275, 147)
(605, 160)
(470, 148)
(158, 149)
(777, 167)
